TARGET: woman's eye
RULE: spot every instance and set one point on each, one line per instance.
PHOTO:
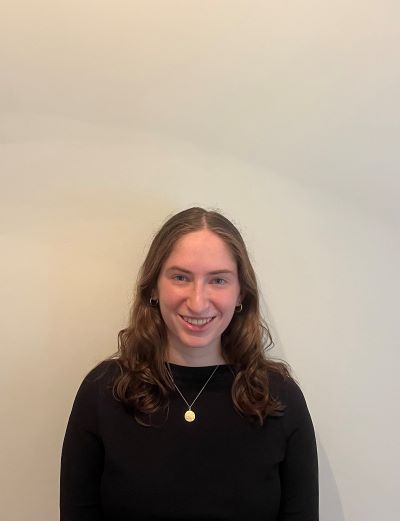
(179, 278)
(219, 281)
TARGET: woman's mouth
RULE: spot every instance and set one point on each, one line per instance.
(196, 324)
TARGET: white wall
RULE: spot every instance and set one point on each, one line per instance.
(282, 115)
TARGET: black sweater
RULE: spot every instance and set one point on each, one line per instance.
(219, 467)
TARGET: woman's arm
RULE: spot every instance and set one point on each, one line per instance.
(82, 459)
(299, 470)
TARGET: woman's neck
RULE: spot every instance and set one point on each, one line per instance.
(194, 357)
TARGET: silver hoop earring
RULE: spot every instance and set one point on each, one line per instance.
(153, 302)
(238, 309)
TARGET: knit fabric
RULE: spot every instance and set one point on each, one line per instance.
(218, 467)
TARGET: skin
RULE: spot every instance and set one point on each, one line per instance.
(198, 281)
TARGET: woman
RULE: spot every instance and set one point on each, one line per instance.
(190, 420)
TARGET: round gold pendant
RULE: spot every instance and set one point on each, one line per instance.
(189, 416)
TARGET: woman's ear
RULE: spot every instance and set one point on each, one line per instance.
(154, 299)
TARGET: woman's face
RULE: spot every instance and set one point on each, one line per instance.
(198, 289)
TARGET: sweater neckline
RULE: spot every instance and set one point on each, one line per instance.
(201, 373)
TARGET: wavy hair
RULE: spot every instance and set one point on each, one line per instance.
(144, 383)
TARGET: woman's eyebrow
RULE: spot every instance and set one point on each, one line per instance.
(224, 271)
(213, 272)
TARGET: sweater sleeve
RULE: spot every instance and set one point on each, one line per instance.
(299, 470)
(82, 457)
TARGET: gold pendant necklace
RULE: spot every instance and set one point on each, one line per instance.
(189, 415)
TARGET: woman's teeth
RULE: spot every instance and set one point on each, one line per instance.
(197, 321)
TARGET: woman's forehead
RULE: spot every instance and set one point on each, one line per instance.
(202, 248)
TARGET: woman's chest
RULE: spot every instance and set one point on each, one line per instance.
(217, 467)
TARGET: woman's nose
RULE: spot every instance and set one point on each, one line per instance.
(198, 298)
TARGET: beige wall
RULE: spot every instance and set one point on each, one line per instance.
(283, 116)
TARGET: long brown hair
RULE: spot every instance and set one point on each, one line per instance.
(144, 383)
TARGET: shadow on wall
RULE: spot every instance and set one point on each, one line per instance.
(330, 504)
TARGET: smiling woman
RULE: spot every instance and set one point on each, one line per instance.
(196, 302)
(191, 419)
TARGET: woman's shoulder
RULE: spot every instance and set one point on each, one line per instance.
(100, 377)
(281, 380)
(104, 371)
(284, 387)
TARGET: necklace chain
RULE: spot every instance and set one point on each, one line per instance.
(189, 414)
